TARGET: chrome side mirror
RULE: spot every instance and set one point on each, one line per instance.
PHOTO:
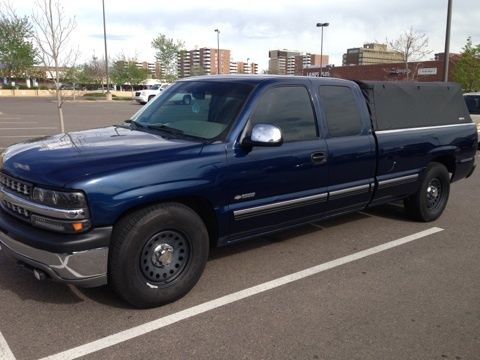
(266, 135)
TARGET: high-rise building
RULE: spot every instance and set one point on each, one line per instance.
(240, 67)
(371, 53)
(287, 62)
(203, 61)
(278, 61)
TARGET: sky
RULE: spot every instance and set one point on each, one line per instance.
(251, 28)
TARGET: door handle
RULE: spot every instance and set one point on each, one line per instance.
(319, 157)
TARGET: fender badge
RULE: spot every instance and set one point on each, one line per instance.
(21, 166)
(244, 196)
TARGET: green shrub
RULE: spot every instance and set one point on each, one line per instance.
(96, 95)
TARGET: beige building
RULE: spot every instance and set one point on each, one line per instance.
(371, 53)
(286, 62)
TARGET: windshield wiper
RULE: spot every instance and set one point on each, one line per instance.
(166, 129)
(135, 124)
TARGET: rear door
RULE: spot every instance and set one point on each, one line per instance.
(351, 147)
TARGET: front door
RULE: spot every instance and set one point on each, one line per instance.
(274, 186)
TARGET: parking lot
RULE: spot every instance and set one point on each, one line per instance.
(370, 285)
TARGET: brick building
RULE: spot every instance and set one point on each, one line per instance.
(240, 67)
(203, 61)
(431, 70)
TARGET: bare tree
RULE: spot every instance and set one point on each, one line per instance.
(413, 45)
(53, 30)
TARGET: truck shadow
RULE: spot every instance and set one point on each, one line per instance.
(22, 282)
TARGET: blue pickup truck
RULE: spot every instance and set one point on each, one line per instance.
(216, 160)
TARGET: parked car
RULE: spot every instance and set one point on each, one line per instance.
(246, 156)
(473, 104)
(149, 92)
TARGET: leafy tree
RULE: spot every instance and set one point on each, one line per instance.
(125, 71)
(197, 70)
(93, 72)
(166, 53)
(17, 53)
(72, 75)
(467, 68)
(413, 45)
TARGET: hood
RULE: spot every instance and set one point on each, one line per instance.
(60, 159)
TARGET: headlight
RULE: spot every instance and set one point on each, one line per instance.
(60, 199)
(58, 202)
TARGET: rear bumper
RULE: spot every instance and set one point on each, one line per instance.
(86, 268)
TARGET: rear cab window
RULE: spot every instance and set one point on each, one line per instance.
(341, 111)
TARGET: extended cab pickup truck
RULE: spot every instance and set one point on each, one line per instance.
(138, 205)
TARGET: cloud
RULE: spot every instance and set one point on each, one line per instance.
(251, 28)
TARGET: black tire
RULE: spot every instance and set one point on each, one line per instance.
(428, 203)
(136, 270)
(150, 97)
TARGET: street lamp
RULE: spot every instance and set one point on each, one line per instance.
(446, 54)
(109, 95)
(321, 25)
(249, 72)
(218, 51)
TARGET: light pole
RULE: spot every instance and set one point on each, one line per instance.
(248, 70)
(109, 95)
(218, 51)
(447, 42)
(321, 25)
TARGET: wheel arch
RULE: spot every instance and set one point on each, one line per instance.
(447, 160)
(200, 205)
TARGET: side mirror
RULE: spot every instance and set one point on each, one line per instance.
(265, 135)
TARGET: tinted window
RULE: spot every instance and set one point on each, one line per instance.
(288, 108)
(341, 111)
(473, 103)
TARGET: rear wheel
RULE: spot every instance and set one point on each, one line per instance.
(157, 254)
(428, 203)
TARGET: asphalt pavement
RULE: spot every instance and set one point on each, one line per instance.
(376, 286)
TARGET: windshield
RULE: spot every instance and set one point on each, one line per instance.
(203, 109)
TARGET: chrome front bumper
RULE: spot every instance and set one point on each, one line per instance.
(83, 268)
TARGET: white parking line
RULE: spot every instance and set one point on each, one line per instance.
(30, 128)
(18, 122)
(5, 352)
(21, 136)
(134, 332)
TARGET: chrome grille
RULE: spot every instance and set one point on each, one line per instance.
(18, 186)
(15, 209)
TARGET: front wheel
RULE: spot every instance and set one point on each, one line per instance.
(428, 203)
(157, 254)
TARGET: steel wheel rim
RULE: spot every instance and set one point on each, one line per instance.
(164, 256)
(434, 193)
